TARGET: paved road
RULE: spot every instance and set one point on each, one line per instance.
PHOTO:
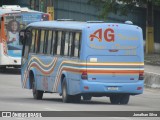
(14, 98)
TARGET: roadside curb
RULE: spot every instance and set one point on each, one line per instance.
(152, 80)
(152, 63)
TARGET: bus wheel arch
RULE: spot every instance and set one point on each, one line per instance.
(62, 78)
(37, 94)
(120, 99)
(31, 78)
(65, 97)
(124, 99)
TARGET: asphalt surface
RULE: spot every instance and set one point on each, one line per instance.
(14, 98)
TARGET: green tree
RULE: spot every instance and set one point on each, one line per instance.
(123, 6)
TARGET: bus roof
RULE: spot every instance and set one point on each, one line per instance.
(73, 24)
(10, 10)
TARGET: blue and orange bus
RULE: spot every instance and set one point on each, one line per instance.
(13, 18)
(83, 59)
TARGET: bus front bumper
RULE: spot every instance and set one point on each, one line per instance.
(10, 61)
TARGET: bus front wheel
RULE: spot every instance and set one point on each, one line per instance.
(37, 94)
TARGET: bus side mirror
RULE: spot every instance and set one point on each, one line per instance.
(22, 36)
(28, 36)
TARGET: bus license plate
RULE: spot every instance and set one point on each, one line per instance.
(112, 88)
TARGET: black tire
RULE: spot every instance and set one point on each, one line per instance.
(76, 98)
(124, 99)
(37, 94)
(3, 69)
(87, 97)
(115, 99)
(119, 99)
(65, 97)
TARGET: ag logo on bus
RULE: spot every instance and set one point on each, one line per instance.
(108, 35)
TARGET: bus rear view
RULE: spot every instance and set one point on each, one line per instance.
(114, 62)
(83, 59)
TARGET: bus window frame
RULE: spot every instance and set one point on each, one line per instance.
(54, 41)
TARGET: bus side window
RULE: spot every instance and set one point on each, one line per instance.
(73, 44)
(33, 40)
(53, 43)
(70, 44)
(59, 42)
(45, 42)
(62, 43)
(42, 40)
(66, 44)
(49, 43)
(76, 44)
(36, 41)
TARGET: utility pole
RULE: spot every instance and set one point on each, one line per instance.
(149, 28)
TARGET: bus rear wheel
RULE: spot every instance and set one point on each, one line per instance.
(114, 99)
(87, 97)
(119, 99)
(37, 94)
(76, 98)
(65, 97)
(124, 99)
(68, 98)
